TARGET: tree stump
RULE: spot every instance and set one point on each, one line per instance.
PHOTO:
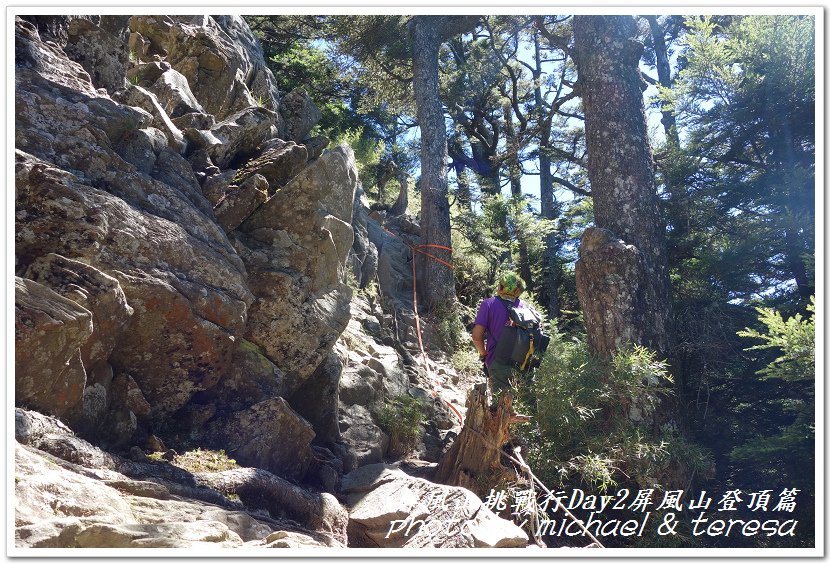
(474, 459)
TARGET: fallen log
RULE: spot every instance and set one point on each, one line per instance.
(321, 512)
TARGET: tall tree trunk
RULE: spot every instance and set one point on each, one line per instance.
(661, 55)
(464, 195)
(489, 178)
(438, 285)
(622, 273)
(515, 173)
(546, 203)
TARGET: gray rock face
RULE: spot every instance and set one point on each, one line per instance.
(299, 113)
(137, 96)
(295, 247)
(315, 146)
(155, 234)
(391, 509)
(277, 164)
(49, 331)
(257, 436)
(251, 379)
(56, 507)
(240, 134)
(237, 205)
(103, 55)
(123, 206)
(218, 56)
(393, 270)
(47, 59)
(141, 148)
(173, 92)
(317, 399)
(193, 283)
(363, 256)
(366, 443)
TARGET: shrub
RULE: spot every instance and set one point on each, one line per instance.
(593, 420)
(401, 418)
(466, 364)
(201, 461)
(448, 329)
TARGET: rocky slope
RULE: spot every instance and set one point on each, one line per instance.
(182, 250)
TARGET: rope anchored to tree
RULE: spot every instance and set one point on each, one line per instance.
(418, 248)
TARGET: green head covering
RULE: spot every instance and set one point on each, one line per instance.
(510, 286)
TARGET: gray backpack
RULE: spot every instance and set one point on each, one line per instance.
(521, 341)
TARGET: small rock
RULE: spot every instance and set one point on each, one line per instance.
(137, 454)
(154, 444)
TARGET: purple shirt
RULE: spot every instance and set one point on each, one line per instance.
(493, 315)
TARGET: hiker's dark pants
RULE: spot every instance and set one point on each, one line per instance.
(500, 375)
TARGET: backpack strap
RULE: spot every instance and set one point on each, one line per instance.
(509, 306)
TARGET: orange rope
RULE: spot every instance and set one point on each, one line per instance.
(419, 247)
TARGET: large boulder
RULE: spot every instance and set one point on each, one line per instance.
(49, 332)
(269, 435)
(173, 351)
(295, 247)
(299, 114)
(220, 57)
(388, 508)
(93, 290)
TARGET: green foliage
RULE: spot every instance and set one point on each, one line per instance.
(795, 338)
(592, 416)
(466, 363)
(449, 330)
(300, 51)
(401, 419)
(483, 241)
(743, 209)
(740, 208)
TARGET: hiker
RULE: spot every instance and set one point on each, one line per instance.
(493, 315)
